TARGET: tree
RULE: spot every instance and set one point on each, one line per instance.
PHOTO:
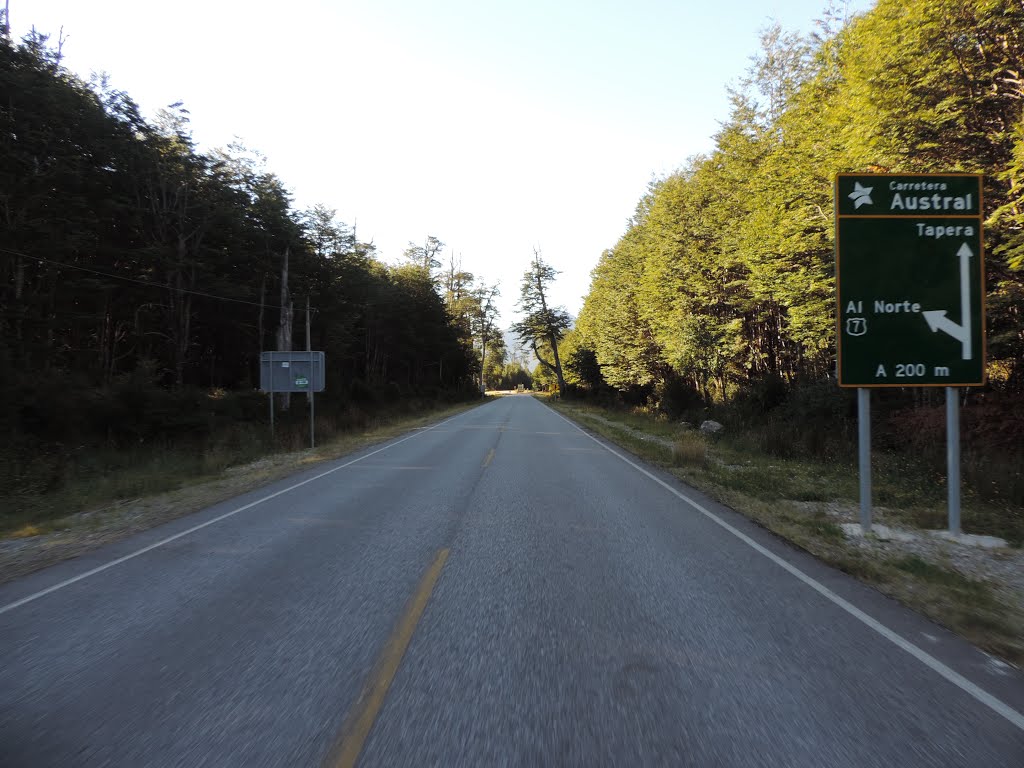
(327, 236)
(457, 291)
(581, 365)
(426, 256)
(542, 324)
(485, 325)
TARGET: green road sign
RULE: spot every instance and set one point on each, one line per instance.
(910, 279)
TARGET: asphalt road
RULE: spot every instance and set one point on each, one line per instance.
(500, 589)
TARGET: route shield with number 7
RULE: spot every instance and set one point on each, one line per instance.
(910, 280)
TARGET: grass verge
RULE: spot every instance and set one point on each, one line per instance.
(97, 511)
(804, 501)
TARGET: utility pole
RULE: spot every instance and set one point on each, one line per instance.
(284, 331)
(312, 379)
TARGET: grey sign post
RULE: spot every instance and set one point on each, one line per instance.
(910, 297)
(292, 371)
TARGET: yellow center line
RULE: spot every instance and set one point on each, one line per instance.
(360, 720)
(490, 455)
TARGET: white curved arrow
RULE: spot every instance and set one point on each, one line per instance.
(936, 318)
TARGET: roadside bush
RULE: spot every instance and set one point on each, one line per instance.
(810, 421)
(636, 395)
(675, 396)
(765, 394)
(992, 452)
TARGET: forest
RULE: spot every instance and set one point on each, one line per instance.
(721, 292)
(142, 277)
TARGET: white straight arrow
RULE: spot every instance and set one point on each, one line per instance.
(936, 318)
(965, 254)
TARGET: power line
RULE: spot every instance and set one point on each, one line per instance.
(147, 283)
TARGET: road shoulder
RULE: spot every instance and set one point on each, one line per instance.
(975, 592)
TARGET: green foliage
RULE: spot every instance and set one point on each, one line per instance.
(582, 368)
(510, 377)
(543, 379)
(724, 277)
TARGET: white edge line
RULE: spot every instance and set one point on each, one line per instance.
(193, 529)
(924, 657)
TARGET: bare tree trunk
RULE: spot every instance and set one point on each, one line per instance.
(483, 364)
(106, 345)
(548, 364)
(184, 330)
(181, 304)
(557, 367)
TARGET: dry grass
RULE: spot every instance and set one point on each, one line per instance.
(690, 449)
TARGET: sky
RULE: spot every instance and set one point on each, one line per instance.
(496, 127)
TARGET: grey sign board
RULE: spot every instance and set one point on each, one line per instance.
(298, 371)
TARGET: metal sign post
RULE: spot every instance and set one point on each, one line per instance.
(910, 294)
(271, 398)
(953, 458)
(864, 455)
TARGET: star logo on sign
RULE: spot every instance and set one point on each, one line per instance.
(860, 195)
